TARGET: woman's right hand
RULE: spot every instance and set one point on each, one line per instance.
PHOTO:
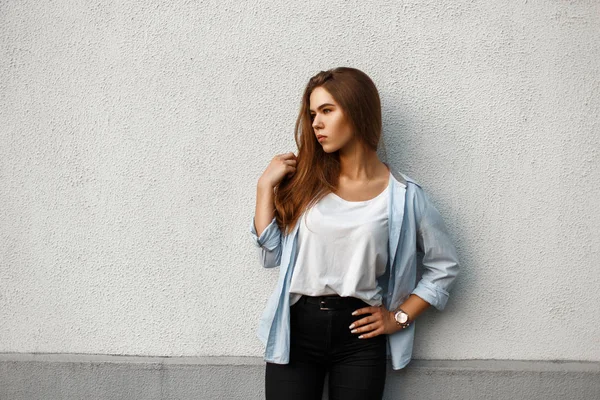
(280, 166)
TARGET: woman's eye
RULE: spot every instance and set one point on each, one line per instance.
(312, 116)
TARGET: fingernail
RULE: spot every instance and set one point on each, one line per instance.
(353, 312)
(360, 337)
(351, 326)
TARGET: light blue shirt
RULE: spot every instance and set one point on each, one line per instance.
(415, 226)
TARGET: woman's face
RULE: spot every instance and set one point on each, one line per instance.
(329, 120)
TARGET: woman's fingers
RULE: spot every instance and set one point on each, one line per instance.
(372, 325)
(286, 156)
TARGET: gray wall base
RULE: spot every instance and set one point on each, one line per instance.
(66, 376)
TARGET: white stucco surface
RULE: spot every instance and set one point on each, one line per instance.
(132, 135)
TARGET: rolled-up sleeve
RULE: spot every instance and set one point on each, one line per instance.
(268, 243)
(440, 260)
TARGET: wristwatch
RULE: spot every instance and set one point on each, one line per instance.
(402, 318)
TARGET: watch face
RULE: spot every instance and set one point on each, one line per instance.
(401, 317)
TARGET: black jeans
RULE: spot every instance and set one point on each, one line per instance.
(321, 342)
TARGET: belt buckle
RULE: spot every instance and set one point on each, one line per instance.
(321, 305)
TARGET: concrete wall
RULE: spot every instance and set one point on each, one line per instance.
(41, 377)
(132, 135)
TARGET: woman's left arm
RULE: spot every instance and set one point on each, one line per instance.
(440, 264)
(440, 260)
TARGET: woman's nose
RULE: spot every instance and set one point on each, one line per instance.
(315, 123)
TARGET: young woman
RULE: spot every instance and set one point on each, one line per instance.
(345, 229)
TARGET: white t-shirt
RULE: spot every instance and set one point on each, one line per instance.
(342, 248)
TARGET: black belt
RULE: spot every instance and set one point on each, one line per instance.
(334, 302)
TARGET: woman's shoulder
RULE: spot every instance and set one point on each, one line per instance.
(403, 178)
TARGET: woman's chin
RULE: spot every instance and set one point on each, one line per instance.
(329, 148)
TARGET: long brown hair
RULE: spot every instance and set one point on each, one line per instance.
(317, 172)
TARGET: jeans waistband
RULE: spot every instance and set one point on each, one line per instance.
(333, 302)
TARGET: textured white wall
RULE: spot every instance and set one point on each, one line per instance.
(132, 135)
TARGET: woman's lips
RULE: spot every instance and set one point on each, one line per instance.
(320, 138)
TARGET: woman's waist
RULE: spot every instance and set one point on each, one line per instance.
(333, 302)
